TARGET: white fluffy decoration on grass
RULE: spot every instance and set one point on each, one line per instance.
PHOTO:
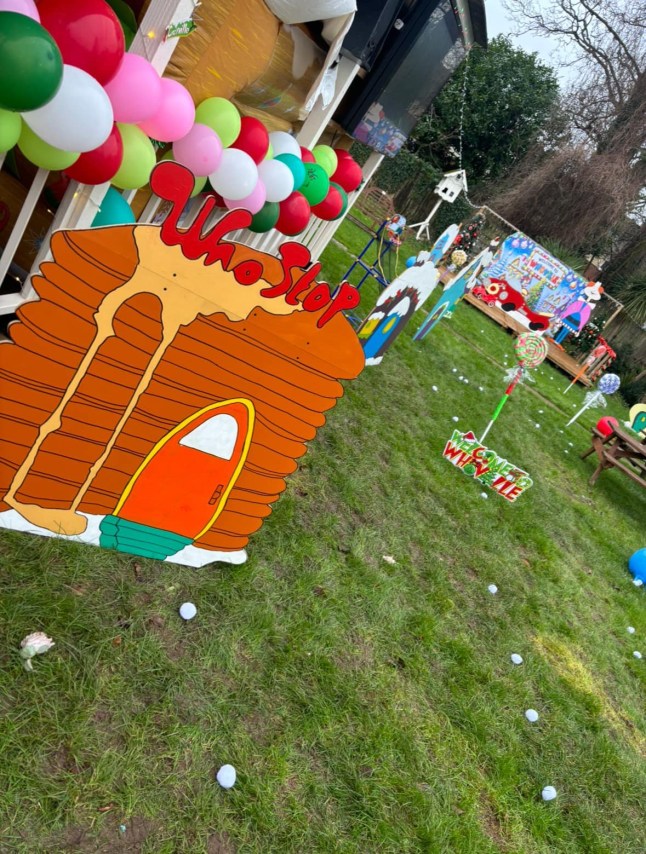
(37, 643)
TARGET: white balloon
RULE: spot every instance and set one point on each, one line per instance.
(78, 118)
(226, 776)
(187, 611)
(284, 143)
(277, 178)
(236, 176)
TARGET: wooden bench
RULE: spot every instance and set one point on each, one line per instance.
(621, 451)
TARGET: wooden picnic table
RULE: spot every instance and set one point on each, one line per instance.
(618, 450)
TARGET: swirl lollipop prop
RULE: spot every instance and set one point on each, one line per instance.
(531, 351)
(608, 384)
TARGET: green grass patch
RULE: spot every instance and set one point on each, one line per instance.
(367, 707)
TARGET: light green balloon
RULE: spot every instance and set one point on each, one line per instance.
(222, 117)
(42, 154)
(270, 152)
(326, 159)
(10, 127)
(138, 159)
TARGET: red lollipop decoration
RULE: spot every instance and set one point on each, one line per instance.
(331, 205)
(294, 214)
(253, 139)
(307, 156)
(348, 174)
(88, 34)
(101, 164)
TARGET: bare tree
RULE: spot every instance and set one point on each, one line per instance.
(605, 42)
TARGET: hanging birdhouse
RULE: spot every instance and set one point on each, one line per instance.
(451, 185)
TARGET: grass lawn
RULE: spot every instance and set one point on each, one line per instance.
(367, 707)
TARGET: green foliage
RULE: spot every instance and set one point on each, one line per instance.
(510, 98)
(574, 260)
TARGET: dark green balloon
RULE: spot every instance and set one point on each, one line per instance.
(344, 196)
(31, 66)
(266, 218)
(316, 185)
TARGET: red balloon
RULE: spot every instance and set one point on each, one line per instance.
(606, 425)
(341, 152)
(331, 205)
(294, 214)
(307, 156)
(101, 164)
(348, 174)
(252, 139)
(88, 35)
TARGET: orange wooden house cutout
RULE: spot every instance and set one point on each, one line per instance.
(165, 384)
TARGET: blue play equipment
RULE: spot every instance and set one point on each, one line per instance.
(637, 565)
(384, 240)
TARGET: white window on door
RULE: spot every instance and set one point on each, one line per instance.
(216, 437)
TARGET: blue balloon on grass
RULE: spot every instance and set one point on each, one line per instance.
(411, 261)
(637, 565)
(114, 210)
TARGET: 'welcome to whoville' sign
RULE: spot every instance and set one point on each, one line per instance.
(484, 465)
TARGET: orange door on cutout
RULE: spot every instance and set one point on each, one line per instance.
(183, 484)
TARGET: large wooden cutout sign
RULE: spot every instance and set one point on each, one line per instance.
(164, 385)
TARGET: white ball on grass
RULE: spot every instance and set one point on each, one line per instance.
(537, 425)
(516, 659)
(434, 387)
(480, 388)
(638, 582)
(455, 418)
(454, 370)
(226, 776)
(548, 793)
(631, 630)
(531, 715)
(187, 611)
(492, 589)
(637, 654)
(466, 381)
(483, 495)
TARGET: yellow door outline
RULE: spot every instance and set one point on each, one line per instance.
(157, 448)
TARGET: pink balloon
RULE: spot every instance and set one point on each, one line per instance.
(175, 116)
(22, 7)
(135, 91)
(253, 202)
(200, 150)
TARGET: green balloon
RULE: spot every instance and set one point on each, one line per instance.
(316, 185)
(10, 127)
(222, 117)
(42, 154)
(114, 210)
(344, 196)
(138, 159)
(31, 63)
(266, 218)
(295, 166)
(326, 158)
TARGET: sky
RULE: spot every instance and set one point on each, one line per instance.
(500, 23)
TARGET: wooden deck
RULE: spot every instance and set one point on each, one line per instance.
(556, 354)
